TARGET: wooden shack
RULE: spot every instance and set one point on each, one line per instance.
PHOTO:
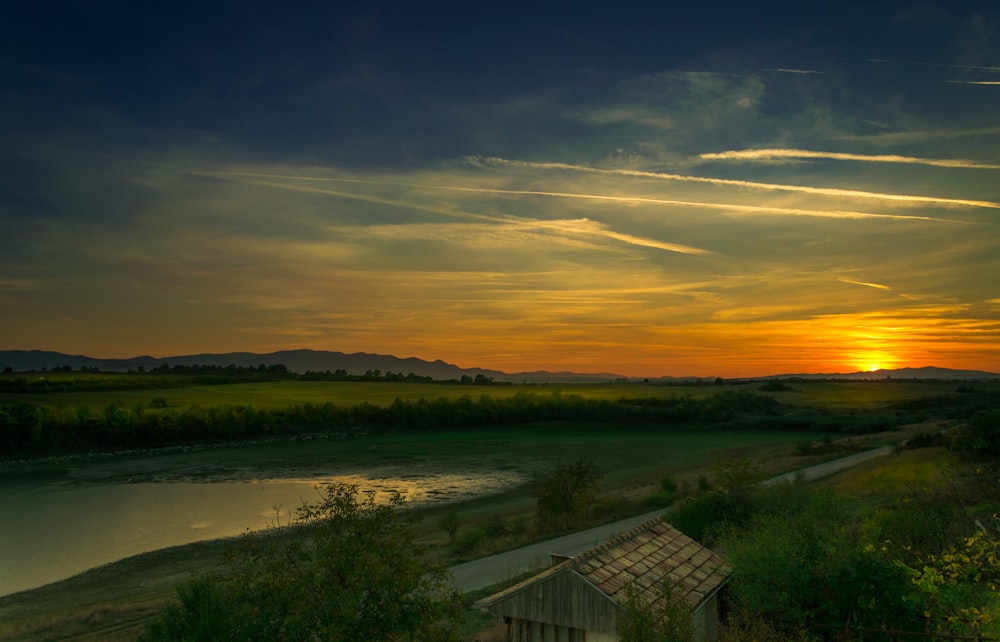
(575, 599)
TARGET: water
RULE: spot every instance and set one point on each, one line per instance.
(53, 530)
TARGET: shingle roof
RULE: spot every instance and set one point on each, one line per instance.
(650, 555)
(646, 556)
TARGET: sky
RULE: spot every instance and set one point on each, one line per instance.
(667, 190)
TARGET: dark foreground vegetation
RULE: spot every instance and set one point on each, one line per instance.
(812, 564)
(809, 563)
(355, 573)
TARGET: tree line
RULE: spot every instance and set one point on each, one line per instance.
(27, 428)
(168, 376)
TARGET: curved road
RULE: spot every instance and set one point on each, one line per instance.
(501, 567)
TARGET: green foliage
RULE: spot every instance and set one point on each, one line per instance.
(741, 626)
(918, 525)
(38, 428)
(732, 501)
(961, 585)
(29, 428)
(566, 494)
(450, 522)
(468, 541)
(357, 576)
(775, 385)
(981, 436)
(808, 567)
(662, 617)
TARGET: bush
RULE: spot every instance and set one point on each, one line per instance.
(567, 494)
(981, 436)
(468, 542)
(357, 574)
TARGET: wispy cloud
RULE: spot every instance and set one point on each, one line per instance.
(974, 82)
(784, 70)
(584, 226)
(877, 286)
(20, 285)
(764, 155)
(821, 191)
(981, 68)
(634, 200)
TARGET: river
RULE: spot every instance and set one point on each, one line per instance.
(54, 527)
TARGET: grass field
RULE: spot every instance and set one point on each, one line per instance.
(869, 395)
(908, 472)
(279, 394)
(838, 395)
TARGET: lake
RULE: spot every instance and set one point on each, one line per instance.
(54, 527)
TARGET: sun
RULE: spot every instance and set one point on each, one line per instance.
(871, 361)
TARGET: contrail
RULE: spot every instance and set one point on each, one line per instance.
(877, 286)
(974, 82)
(823, 191)
(768, 154)
(579, 226)
(729, 207)
(794, 71)
(986, 69)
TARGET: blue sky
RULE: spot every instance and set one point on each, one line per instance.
(650, 191)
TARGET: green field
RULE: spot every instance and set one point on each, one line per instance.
(864, 395)
(280, 394)
(868, 395)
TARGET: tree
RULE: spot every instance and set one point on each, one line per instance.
(451, 522)
(353, 574)
(962, 586)
(809, 568)
(662, 617)
(566, 494)
(981, 436)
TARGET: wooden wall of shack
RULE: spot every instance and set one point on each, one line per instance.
(564, 598)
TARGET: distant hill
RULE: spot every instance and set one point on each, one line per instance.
(361, 362)
(926, 372)
(294, 360)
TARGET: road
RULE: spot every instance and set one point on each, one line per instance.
(501, 567)
(827, 468)
(504, 566)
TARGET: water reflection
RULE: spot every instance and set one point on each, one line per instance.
(56, 530)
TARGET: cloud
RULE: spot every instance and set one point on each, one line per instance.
(821, 191)
(765, 155)
(877, 286)
(980, 68)
(583, 227)
(731, 208)
(793, 71)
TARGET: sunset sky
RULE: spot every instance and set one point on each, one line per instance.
(682, 190)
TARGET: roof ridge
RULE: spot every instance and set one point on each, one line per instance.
(618, 539)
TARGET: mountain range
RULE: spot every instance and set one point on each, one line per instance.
(294, 360)
(360, 362)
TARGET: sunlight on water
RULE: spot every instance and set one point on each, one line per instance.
(62, 529)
